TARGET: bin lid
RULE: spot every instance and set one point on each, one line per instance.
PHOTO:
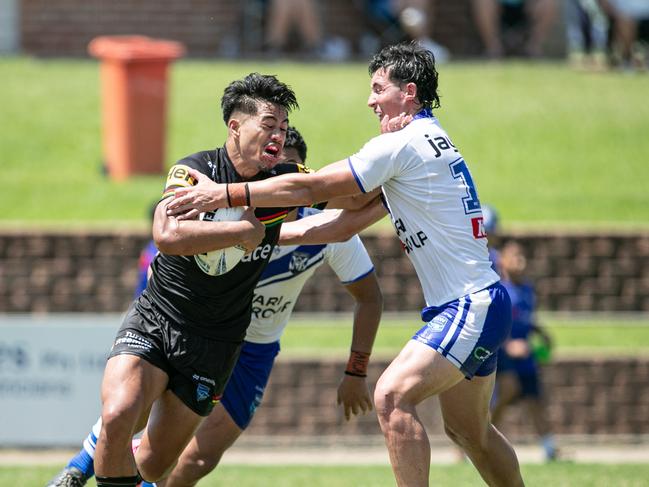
(141, 48)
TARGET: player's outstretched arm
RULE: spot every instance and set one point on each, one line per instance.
(188, 237)
(299, 189)
(331, 225)
(353, 393)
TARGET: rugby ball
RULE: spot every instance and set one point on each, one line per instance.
(218, 262)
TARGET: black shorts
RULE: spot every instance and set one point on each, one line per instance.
(198, 367)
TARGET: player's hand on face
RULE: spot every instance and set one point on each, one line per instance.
(354, 396)
(395, 123)
(205, 195)
(253, 237)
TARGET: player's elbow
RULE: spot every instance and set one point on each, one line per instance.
(169, 241)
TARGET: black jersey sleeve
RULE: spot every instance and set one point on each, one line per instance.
(178, 176)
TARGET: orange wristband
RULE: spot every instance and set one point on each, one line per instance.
(238, 194)
(357, 364)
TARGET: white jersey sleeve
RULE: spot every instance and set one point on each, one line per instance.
(380, 160)
(349, 260)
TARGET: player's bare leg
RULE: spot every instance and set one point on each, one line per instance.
(129, 387)
(465, 409)
(416, 373)
(214, 436)
(170, 428)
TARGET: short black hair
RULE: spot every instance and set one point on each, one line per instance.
(294, 140)
(409, 62)
(243, 94)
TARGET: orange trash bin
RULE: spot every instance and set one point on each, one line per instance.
(134, 97)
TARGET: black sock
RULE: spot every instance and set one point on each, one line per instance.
(118, 481)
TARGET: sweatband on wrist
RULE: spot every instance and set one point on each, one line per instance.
(237, 194)
(357, 364)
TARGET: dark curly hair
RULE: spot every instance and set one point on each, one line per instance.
(409, 62)
(243, 94)
(294, 140)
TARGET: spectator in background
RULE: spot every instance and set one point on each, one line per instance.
(517, 376)
(494, 18)
(586, 34)
(301, 15)
(628, 18)
(392, 21)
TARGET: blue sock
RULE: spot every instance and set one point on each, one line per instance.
(84, 460)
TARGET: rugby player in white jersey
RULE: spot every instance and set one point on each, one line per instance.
(434, 206)
(276, 293)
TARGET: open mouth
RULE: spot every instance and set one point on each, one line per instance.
(272, 151)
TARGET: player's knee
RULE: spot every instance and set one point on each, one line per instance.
(389, 402)
(384, 398)
(118, 421)
(194, 468)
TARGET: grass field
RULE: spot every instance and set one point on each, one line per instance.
(557, 475)
(572, 337)
(547, 145)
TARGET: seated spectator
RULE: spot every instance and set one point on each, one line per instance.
(393, 21)
(415, 17)
(286, 15)
(628, 17)
(586, 34)
(494, 18)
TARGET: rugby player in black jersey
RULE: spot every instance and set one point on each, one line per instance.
(180, 339)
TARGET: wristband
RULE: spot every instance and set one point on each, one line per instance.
(227, 193)
(237, 193)
(357, 364)
(247, 188)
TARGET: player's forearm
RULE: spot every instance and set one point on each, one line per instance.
(331, 225)
(189, 237)
(367, 316)
(286, 190)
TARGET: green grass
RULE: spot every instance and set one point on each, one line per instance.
(310, 337)
(547, 145)
(557, 475)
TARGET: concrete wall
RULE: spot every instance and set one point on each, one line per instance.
(96, 272)
(584, 396)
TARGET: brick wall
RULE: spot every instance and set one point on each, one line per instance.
(64, 27)
(590, 396)
(96, 271)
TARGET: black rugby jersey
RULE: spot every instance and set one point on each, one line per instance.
(217, 307)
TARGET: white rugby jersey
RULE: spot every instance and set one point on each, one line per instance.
(287, 272)
(433, 204)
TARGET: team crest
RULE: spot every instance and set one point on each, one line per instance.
(299, 262)
(438, 323)
(202, 392)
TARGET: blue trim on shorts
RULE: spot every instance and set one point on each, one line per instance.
(245, 389)
(358, 180)
(471, 347)
(359, 277)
